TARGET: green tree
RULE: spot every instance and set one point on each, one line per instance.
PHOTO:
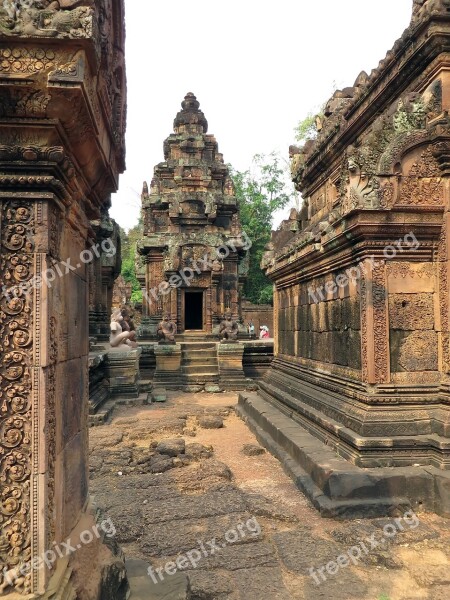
(260, 191)
(128, 257)
(306, 129)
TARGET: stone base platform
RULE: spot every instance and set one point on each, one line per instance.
(369, 426)
(336, 487)
(122, 371)
(168, 366)
(143, 587)
(231, 371)
(203, 363)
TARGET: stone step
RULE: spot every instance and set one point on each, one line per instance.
(198, 346)
(205, 369)
(148, 585)
(335, 486)
(204, 360)
(141, 399)
(103, 414)
(145, 385)
(191, 347)
(200, 377)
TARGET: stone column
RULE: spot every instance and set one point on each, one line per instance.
(168, 365)
(275, 320)
(374, 323)
(61, 150)
(152, 299)
(231, 371)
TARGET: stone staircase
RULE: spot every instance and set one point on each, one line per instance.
(199, 363)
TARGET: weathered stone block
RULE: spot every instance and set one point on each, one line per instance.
(122, 368)
(414, 351)
(411, 312)
(231, 372)
(354, 349)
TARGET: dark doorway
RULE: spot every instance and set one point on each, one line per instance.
(193, 310)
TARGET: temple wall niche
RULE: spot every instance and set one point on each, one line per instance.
(413, 320)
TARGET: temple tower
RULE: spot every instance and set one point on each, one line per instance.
(193, 253)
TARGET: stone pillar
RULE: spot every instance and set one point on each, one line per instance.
(374, 325)
(103, 271)
(231, 371)
(122, 368)
(168, 365)
(61, 150)
(275, 321)
(152, 299)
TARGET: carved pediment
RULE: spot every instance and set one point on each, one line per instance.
(195, 256)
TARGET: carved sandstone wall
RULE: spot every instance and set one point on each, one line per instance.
(62, 117)
(362, 354)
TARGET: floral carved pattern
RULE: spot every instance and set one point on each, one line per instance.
(51, 428)
(364, 328)
(16, 267)
(380, 324)
(443, 298)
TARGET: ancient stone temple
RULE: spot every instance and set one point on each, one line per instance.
(193, 254)
(62, 122)
(357, 403)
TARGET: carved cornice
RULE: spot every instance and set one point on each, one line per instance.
(366, 233)
(410, 58)
(66, 65)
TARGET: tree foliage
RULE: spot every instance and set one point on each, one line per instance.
(260, 191)
(128, 259)
(306, 129)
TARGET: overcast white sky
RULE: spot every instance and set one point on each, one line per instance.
(257, 68)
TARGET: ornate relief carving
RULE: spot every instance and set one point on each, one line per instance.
(423, 8)
(16, 267)
(193, 255)
(51, 428)
(386, 195)
(364, 328)
(43, 18)
(418, 351)
(31, 153)
(444, 298)
(423, 186)
(31, 103)
(427, 166)
(395, 151)
(404, 269)
(380, 323)
(362, 186)
(55, 230)
(26, 60)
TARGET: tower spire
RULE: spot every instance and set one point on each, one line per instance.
(190, 119)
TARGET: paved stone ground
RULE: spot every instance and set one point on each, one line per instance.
(206, 483)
